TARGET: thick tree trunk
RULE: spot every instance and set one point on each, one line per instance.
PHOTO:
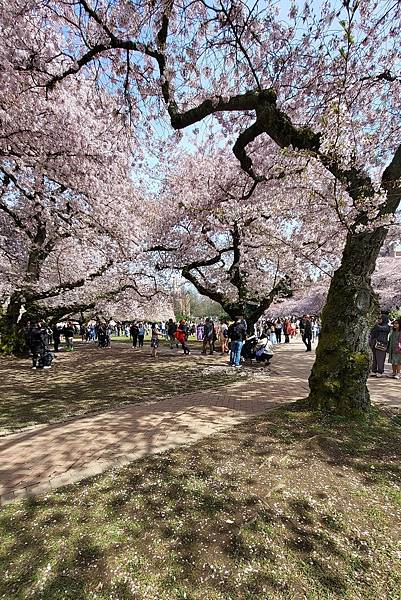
(12, 327)
(338, 379)
(12, 340)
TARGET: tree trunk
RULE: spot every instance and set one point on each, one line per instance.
(12, 336)
(251, 313)
(11, 339)
(338, 379)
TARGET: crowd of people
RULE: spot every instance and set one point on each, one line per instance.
(221, 336)
(215, 335)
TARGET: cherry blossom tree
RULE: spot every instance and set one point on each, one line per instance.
(244, 254)
(69, 211)
(310, 299)
(324, 83)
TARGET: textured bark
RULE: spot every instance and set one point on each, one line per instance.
(338, 379)
(12, 337)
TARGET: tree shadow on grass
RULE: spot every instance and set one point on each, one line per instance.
(198, 517)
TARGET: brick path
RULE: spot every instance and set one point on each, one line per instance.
(43, 458)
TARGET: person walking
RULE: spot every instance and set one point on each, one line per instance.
(208, 333)
(237, 336)
(181, 336)
(307, 333)
(394, 349)
(378, 343)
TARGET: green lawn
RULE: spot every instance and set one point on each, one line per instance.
(286, 506)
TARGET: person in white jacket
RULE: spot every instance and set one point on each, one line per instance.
(264, 350)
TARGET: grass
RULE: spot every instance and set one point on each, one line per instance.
(91, 379)
(290, 505)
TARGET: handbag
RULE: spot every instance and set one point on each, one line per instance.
(380, 346)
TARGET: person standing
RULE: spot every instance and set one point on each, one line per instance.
(208, 333)
(378, 343)
(237, 335)
(141, 335)
(223, 336)
(278, 328)
(56, 337)
(394, 348)
(101, 335)
(154, 340)
(134, 332)
(199, 332)
(39, 346)
(68, 331)
(171, 329)
(287, 331)
(307, 333)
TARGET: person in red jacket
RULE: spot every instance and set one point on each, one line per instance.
(181, 337)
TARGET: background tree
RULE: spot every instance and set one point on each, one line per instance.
(61, 168)
(243, 247)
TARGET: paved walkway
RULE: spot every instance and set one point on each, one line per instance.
(44, 458)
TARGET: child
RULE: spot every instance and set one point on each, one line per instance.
(154, 340)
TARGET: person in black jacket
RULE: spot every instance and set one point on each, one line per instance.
(68, 332)
(307, 333)
(171, 329)
(56, 337)
(39, 345)
(208, 332)
(378, 341)
(134, 331)
(237, 335)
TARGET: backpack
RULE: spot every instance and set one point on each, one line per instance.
(237, 332)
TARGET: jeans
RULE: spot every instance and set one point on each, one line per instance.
(235, 355)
